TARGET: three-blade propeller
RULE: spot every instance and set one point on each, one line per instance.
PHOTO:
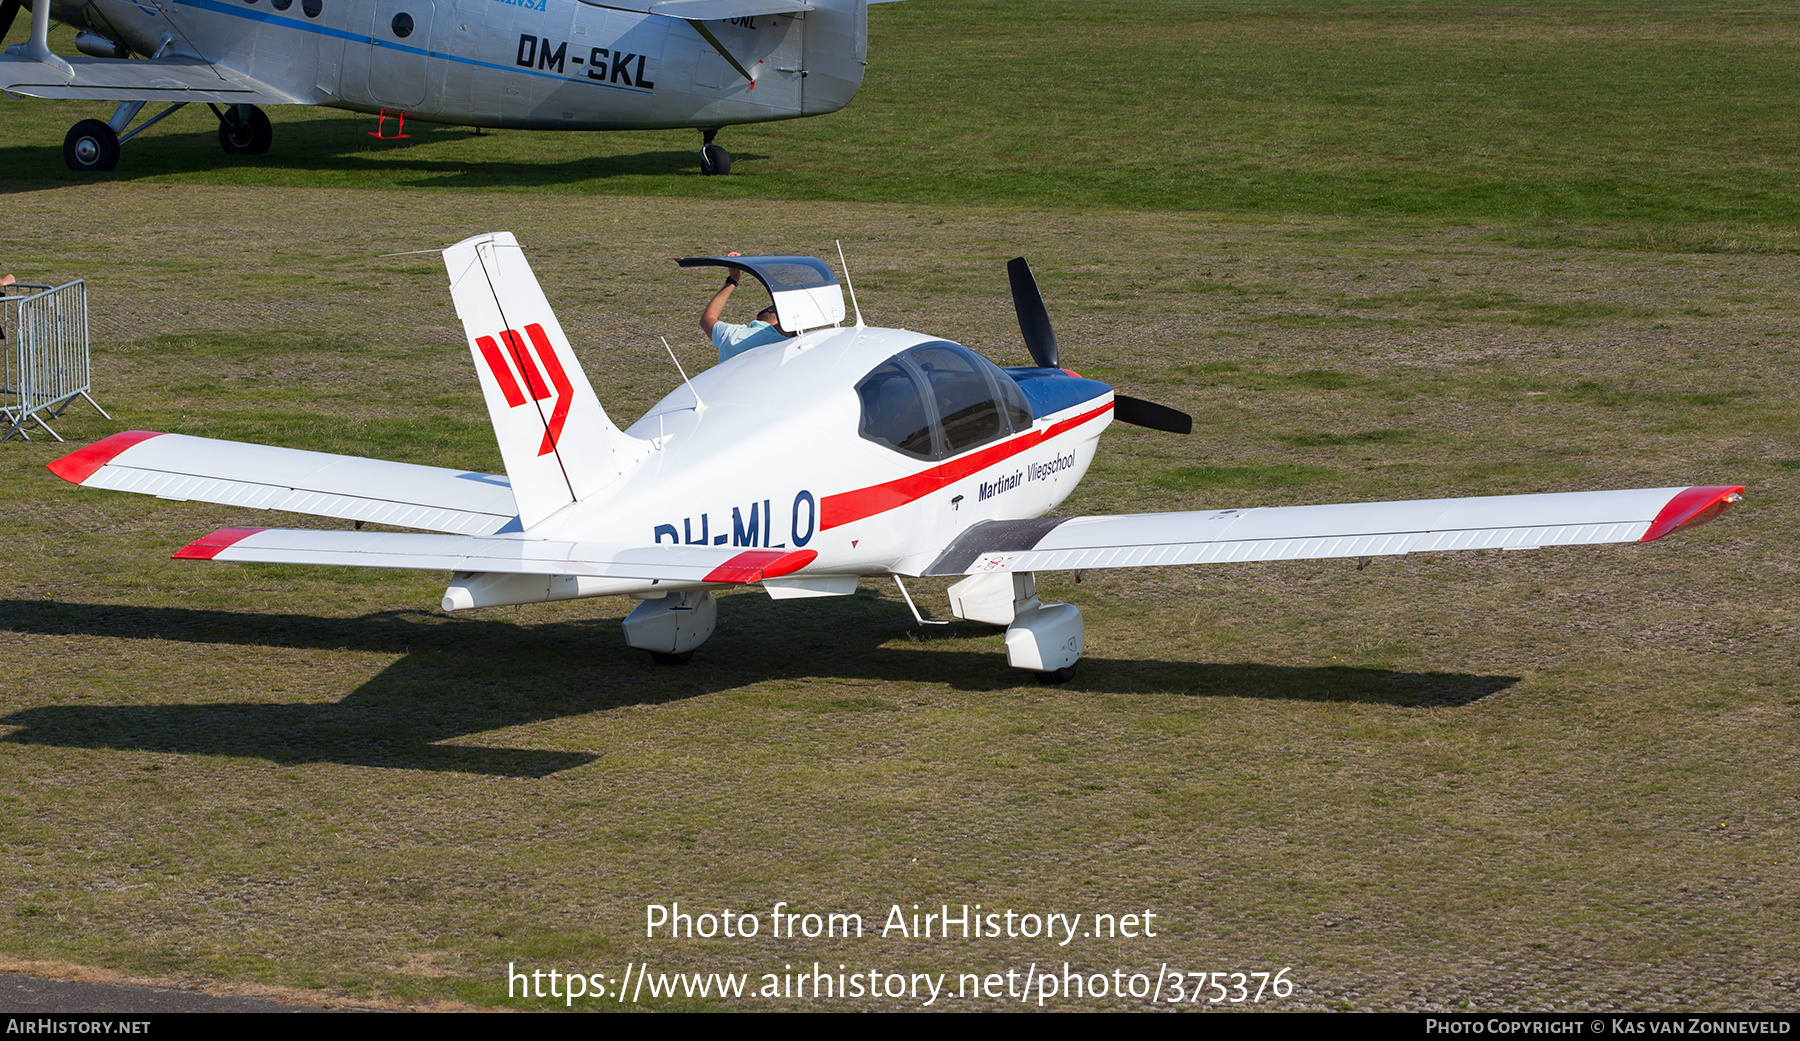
(1040, 340)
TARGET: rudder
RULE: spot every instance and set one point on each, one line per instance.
(558, 444)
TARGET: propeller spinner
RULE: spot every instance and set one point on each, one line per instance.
(1040, 340)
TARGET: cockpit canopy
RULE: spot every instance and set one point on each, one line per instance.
(940, 399)
(805, 292)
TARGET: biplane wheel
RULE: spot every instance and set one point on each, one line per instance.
(664, 658)
(245, 130)
(91, 147)
(1062, 675)
(714, 160)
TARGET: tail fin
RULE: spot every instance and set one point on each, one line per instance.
(557, 442)
(837, 42)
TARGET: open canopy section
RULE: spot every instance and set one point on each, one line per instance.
(806, 293)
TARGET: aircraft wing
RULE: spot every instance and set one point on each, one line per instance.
(124, 79)
(517, 556)
(1367, 529)
(175, 466)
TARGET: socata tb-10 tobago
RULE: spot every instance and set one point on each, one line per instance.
(806, 465)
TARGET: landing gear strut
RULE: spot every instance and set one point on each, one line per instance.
(671, 626)
(1045, 639)
(243, 129)
(93, 146)
(714, 160)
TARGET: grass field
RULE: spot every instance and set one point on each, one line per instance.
(1378, 250)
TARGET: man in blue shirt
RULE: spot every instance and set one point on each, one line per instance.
(733, 340)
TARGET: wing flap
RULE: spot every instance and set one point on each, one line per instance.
(124, 79)
(1346, 530)
(263, 477)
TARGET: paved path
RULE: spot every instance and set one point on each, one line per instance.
(27, 994)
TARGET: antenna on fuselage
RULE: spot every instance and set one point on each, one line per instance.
(698, 404)
(847, 285)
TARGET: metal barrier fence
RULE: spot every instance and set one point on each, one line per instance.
(44, 339)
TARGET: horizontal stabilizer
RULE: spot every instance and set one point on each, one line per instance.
(262, 477)
(169, 79)
(671, 563)
(1367, 529)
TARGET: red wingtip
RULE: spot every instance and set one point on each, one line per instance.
(1691, 507)
(209, 546)
(80, 464)
(757, 564)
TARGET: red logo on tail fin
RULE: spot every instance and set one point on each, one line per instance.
(520, 355)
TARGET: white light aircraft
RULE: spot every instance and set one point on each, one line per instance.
(525, 64)
(806, 465)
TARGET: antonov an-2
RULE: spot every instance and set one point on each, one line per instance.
(806, 465)
(525, 64)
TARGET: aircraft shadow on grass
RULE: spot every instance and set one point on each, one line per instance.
(342, 146)
(465, 676)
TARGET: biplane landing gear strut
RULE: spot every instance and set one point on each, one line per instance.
(92, 146)
(714, 160)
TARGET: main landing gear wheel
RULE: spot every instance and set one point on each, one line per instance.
(714, 160)
(245, 130)
(1062, 675)
(91, 147)
(664, 658)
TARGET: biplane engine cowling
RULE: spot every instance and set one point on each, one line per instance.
(95, 45)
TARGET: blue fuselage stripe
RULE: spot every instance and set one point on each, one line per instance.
(325, 30)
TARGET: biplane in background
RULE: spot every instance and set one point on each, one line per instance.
(524, 64)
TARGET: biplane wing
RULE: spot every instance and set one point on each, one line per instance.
(171, 79)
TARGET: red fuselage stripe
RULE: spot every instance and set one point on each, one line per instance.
(845, 507)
